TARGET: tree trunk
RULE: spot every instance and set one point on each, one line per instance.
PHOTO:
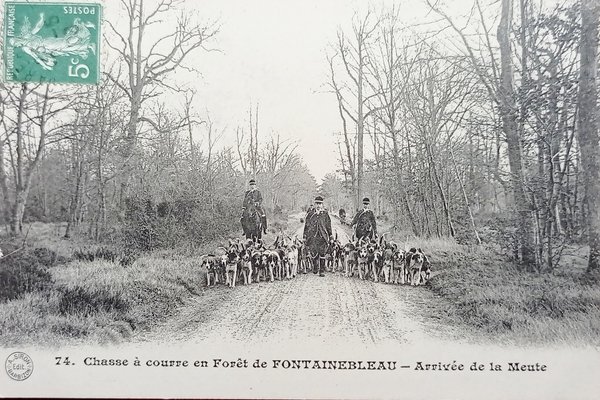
(360, 128)
(462, 187)
(589, 140)
(18, 207)
(130, 144)
(508, 113)
(443, 196)
(75, 204)
(400, 183)
(6, 203)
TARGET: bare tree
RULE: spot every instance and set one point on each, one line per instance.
(391, 71)
(248, 150)
(148, 65)
(500, 86)
(348, 156)
(354, 53)
(508, 113)
(589, 139)
(29, 125)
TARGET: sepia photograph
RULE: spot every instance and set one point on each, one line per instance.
(300, 199)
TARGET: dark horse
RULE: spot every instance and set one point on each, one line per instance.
(251, 224)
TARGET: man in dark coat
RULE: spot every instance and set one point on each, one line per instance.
(365, 223)
(317, 233)
(253, 199)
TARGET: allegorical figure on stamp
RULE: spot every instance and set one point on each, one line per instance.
(364, 222)
(317, 235)
(44, 50)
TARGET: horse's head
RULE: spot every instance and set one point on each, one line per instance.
(251, 209)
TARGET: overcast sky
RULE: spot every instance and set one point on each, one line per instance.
(273, 53)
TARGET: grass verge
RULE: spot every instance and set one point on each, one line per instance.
(85, 293)
(495, 302)
(100, 301)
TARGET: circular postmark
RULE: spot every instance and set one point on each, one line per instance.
(19, 366)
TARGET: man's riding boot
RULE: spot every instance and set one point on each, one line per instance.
(315, 265)
(263, 220)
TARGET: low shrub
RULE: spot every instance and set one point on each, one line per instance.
(150, 226)
(100, 253)
(123, 257)
(22, 272)
(78, 300)
(48, 257)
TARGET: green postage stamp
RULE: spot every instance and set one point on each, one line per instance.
(52, 42)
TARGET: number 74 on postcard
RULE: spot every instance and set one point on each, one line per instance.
(52, 42)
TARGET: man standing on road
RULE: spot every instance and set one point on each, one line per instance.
(253, 199)
(317, 233)
(366, 226)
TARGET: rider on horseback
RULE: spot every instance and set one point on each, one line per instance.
(252, 199)
(317, 234)
(364, 222)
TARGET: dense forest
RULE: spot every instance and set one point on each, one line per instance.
(478, 130)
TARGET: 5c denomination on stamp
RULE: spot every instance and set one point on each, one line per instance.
(19, 366)
(52, 42)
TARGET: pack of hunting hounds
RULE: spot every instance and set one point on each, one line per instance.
(378, 260)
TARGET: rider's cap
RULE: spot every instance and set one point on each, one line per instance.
(319, 199)
(366, 200)
(252, 182)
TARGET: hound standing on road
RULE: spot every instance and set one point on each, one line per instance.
(318, 233)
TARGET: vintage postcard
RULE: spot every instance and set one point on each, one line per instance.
(335, 199)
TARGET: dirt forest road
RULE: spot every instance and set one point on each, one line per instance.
(330, 308)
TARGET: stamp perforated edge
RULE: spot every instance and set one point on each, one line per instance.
(3, 80)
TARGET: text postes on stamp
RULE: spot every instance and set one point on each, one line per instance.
(19, 366)
(52, 42)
